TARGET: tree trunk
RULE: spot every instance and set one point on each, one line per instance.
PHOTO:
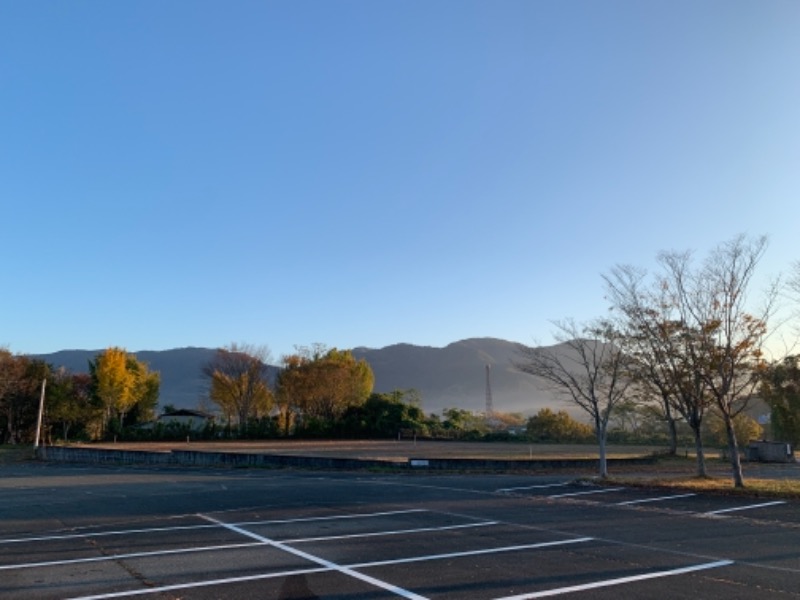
(672, 429)
(701, 458)
(673, 437)
(603, 462)
(733, 448)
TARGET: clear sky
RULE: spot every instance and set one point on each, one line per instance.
(363, 173)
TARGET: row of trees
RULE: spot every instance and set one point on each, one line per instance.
(317, 383)
(684, 341)
(118, 397)
(322, 391)
(118, 390)
(318, 392)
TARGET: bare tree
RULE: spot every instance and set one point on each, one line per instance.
(693, 336)
(642, 317)
(663, 347)
(239, 382)
(730, 337)
(589, 367)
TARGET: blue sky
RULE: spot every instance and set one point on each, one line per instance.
(361, 173)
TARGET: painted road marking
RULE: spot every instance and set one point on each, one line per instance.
(74, 536)
(748, 507)
(388, 513)
(532, 487)
(197, 584)
(382, 533)
(262, 576)
(618, 581)
(56, 563)
(603, 491)
(78, 536)
(659, 499)
(539, 545)
(320, 561)
(91, 559)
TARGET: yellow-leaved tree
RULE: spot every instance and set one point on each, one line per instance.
(122, 383)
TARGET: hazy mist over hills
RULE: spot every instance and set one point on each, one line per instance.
(453, 376)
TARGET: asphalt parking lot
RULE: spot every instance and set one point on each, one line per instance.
(102, 532)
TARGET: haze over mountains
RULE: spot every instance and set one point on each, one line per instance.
(453, 376)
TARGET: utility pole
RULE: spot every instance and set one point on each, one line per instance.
(39, 421)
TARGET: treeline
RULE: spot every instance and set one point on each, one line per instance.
(116, 392)
(392, 415)
(320, 393)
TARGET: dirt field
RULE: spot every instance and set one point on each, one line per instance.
(401, 451)
(395, 450)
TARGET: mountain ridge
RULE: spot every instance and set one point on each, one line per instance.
(453, 376)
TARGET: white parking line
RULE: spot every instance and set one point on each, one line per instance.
(603, 491)
(74, 536)
(532, 487)
(537, 546)
(73, 561)
(748, 507)
(388, 513)
(79, 536)
(618, 581)
(199, 584)
(321, 561)
(659, 499)
(91, 559)
(262, 576)
(383, 533)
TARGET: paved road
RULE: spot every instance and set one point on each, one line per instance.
(74, 532)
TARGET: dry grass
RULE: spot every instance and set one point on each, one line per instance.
(761, 479)
(398, 450)
(767, 488)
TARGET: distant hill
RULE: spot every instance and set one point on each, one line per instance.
(453, 376)
(183, 384)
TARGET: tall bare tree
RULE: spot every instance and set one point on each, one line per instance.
(589, 367)
(663, 349)
(239, 382)
(732, 331)
(702, 338)
(641, 318)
